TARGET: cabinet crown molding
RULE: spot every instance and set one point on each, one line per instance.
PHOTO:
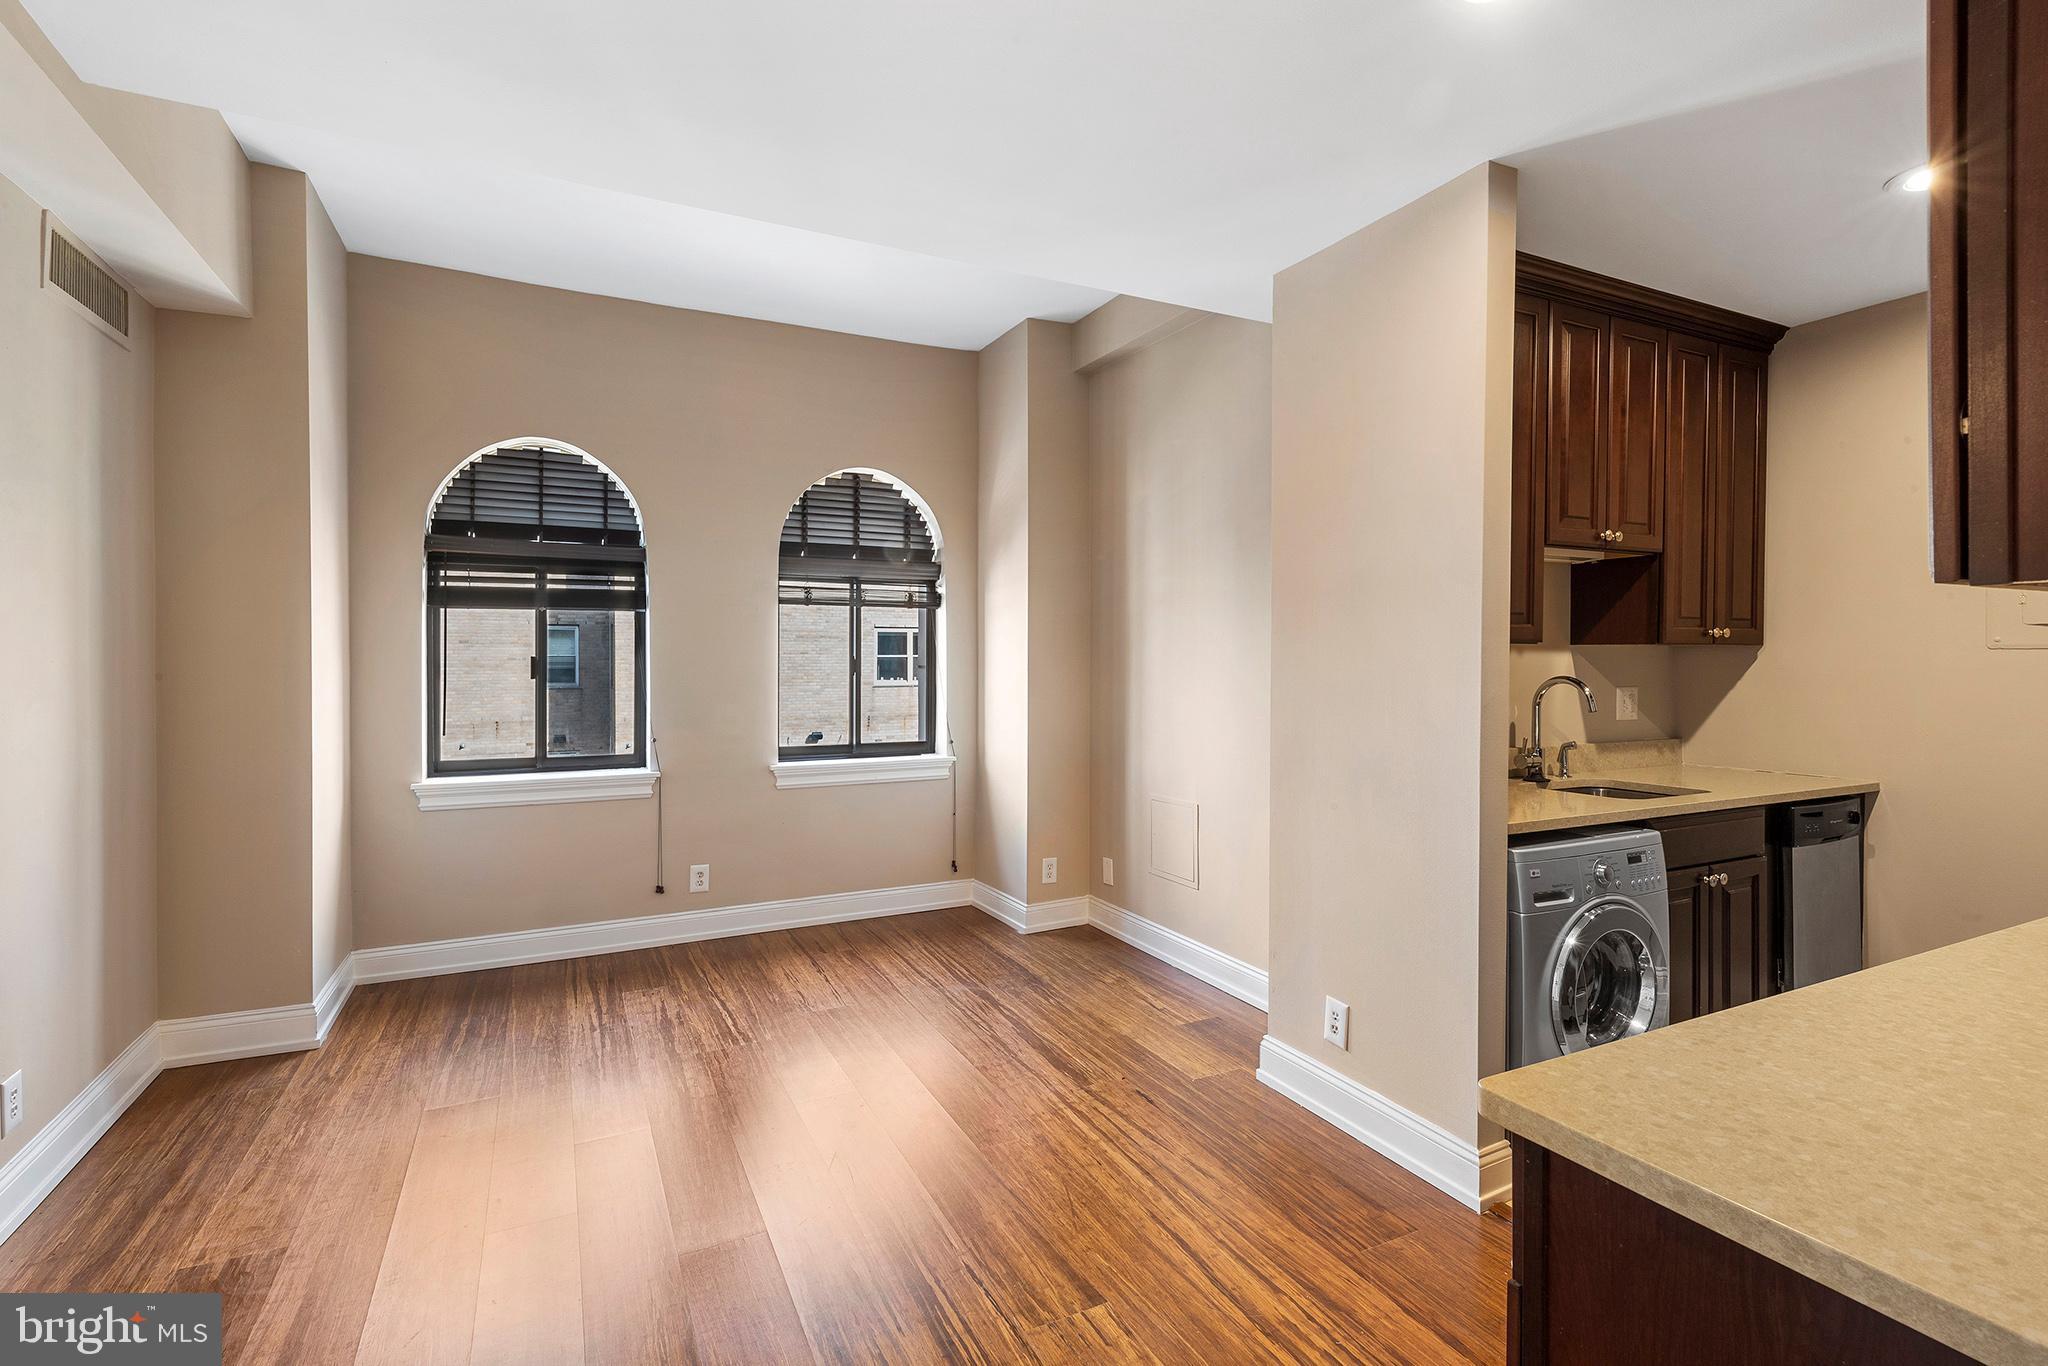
(1572, 284)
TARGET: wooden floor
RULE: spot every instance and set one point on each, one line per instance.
(924, 1138)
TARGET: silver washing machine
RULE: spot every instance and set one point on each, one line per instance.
(1589, 927)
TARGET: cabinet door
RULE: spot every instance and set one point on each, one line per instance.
(1525, 571)
(1689, 486)
(1688, 893)
(1575, 485)
(1742, 908)
(1635, 436)
(1988, 289)
(1738, 536)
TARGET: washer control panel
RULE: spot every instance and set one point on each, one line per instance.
(1571, 871)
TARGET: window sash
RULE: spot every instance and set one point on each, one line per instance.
(855, 592)
(540, 599)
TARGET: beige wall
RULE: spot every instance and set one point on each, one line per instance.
(1061, 570)
(1869, 668)
(1180, 438)
(78, 807)
(1391, 356)
(327, 509)
(1002, 797)
(716, 424)
(1124, 325)
(1035, 593)
(249, 777)
(1649, 669)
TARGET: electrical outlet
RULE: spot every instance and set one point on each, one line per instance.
(1049, 871)
(1337, 1022)
(700, 877)
(1625, 708)
(10, 1104)
(1109, 872)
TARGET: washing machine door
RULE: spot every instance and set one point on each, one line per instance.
(1611, 980)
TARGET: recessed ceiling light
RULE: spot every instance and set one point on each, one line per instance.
(1919, 180)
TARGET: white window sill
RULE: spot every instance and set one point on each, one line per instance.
(534, 789)
(896, 768)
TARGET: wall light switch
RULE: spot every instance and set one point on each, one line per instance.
(1625, 707)
(1049, 871)
(1109, 872)
(700, 877)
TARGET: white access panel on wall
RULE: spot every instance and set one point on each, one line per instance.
(2015, 620)
(1174, 841)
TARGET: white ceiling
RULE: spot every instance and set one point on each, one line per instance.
(1773, 205)
(1179, 149)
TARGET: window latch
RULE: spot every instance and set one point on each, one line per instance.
(533, 666)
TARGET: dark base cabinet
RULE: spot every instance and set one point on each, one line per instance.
(1724, 930)
(1603, 1276)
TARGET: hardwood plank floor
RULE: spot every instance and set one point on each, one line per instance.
(924, 1138)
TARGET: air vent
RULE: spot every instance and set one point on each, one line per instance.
(73, 270)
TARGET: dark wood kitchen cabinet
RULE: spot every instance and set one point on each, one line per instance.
(1635, 435)
(1735, 550)
(1640, 440)
(1987, 127)
(1525, 547)
(1575, 461)
(1687, 572)
(1604, 459)
(1602, 1275)
(1723, 944)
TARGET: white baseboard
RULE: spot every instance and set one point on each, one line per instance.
(1439, 1157)
(329, 1000)
(1030, 918)
(644, 932)
(44, 1160)
(238, 1034)
(1192, 956)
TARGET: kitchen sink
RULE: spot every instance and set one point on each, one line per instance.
(1625, 793)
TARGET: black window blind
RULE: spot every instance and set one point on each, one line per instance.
(851, 524)
(535, 494)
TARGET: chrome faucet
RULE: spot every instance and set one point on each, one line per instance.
(1532, 753)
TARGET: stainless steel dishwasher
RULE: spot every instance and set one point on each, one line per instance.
(1818, 850)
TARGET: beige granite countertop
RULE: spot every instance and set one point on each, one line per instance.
(1532, 808)
(1883, 1133)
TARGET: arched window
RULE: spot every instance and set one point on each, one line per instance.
(536, 616)
(858, 621)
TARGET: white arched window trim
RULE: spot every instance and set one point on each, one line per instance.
(466, 791)
(901, 768)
